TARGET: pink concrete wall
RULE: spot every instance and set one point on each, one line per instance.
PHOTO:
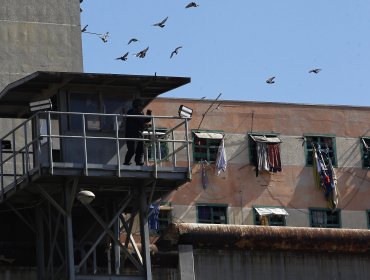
(294, 186)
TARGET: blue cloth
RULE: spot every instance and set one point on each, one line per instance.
(153, 217)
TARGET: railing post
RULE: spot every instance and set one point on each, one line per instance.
(2, 169)
(50, 143)
(117, 143)
(173, 149)
(187, 148)
(84, 141)
(38, 142)
(154, 137)
(26, 146)
(14, 160)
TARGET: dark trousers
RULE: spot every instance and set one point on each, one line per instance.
(138, 152)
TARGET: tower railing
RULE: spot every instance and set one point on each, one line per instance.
(91, 140)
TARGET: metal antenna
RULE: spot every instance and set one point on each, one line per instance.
(204, 115)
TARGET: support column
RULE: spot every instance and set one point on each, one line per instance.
(117, 248)
(40, 244)
(186, 262)
(144, 232)
(69, 234)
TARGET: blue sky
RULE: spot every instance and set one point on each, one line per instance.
(232, 47)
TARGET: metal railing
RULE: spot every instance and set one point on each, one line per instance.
(87, 139)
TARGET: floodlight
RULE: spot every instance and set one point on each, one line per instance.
(41, 105)
(185, 112)
(86, 197)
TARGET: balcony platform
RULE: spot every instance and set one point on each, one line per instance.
(107, 178)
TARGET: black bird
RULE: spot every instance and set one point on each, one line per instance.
(85, 28)
(142, 53)
(81, 1)
(132, 40)
(104, 37)
(123, 58)
(175, 51)
(270, 80)
(161, 24)
(316, 70)
(192, 4)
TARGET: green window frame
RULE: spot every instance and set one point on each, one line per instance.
(365, 151)
(272, 220)
(368, 218)
(253, 145)
(325, 218)
(164, 216)
(163, 148)
(205, 148)
(325, 141)
(212, 213)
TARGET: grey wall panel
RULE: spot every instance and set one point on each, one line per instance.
(39, 35)
(47, 11)
(234, 264)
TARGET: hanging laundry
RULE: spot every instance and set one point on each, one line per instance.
(153, 216)
(324, 175)
(334, 196)
(267, 154)
(262, 162)
(273, 153)
(221, 161)
(204, 164)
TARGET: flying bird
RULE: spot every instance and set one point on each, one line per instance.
(85, 28)
(161, 24)
(192, 4)
(270, 80)
(123, 58)
(132, 40)
(316, 70)
(142, 53)
(175, 51)
(104, 37)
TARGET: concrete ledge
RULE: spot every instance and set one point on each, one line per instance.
(271, 238)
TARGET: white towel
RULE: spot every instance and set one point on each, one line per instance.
(221, 161)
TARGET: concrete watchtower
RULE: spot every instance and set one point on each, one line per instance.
(52, 161)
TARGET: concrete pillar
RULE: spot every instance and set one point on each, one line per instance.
(40, 244)
(186, 262)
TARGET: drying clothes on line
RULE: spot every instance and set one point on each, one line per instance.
(324, 175)
(262, 162)
(153, 216)
(268, 157)
(221, 161)
(273, 153)
(204, 164)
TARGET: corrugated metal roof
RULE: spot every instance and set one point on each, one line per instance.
(263, 211)
(15, 98)
(264, 139)
(209, 135)
(271, 238)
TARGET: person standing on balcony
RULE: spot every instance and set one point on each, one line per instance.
(134, 129)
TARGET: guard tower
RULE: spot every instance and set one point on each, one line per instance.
(67, 202)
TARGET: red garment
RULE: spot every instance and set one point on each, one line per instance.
(273, 156)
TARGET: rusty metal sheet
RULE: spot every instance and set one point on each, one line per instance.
(271, 238)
